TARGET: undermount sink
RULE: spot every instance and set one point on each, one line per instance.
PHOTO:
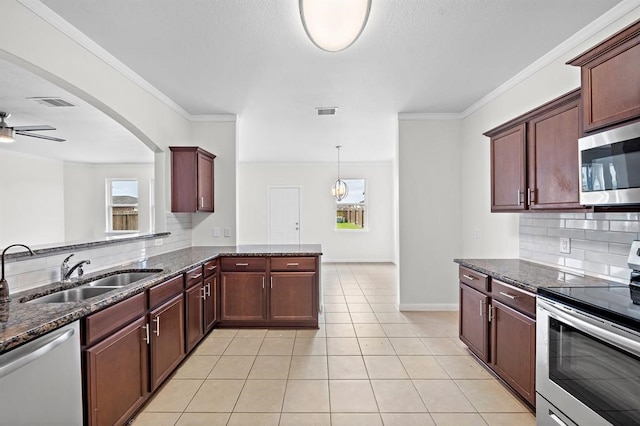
(121, 279)
(73, 295)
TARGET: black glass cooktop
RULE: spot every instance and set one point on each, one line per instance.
(612, 302)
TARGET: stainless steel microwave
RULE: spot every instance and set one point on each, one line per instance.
(610, 167)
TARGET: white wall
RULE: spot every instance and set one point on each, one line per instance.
(317, 207)
(31, 199)
(430, 214)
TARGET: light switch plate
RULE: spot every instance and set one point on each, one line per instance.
(158, 241)
(216, 232)
(565, 245)
(227, 232)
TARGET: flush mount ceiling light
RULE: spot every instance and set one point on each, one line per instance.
(334, 25)
(339, 188)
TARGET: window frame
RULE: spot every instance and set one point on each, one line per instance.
(109, 206)
(365, 205)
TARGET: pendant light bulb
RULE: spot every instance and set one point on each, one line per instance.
(339, 189)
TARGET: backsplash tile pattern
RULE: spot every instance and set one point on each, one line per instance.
(600, 242)
(29, 273)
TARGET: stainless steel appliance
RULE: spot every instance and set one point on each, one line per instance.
(610, 167)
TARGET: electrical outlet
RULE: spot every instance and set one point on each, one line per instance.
(476, 233)
(158, 241)
(565, 245)
(216, 232)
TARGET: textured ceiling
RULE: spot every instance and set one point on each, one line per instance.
(253, 59)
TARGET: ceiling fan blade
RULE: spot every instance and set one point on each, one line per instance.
(33, 135)
(33, 128)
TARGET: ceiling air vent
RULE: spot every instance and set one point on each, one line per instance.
(326, 110)
(52, 102)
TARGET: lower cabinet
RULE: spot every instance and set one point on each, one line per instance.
(194, 331)
(166, 347)
(210, 302)
(474, 327)
(243, 296)
(292, 296)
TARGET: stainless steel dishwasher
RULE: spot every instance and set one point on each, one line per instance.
(41, 383)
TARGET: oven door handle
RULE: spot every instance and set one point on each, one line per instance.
(585, 324)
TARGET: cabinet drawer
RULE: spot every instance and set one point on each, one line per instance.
(210, 267)
(474, 279)
(107, 321)
(243, 263)
(165, 291)
(516, 298)
(293, 263)
(193, 277)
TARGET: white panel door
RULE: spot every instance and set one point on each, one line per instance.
(284, 215)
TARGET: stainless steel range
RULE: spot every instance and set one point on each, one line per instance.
(588, 346)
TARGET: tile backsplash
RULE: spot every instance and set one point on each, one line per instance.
(27, 273)
(600, 242)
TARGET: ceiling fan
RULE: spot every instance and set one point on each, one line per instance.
(7, 133)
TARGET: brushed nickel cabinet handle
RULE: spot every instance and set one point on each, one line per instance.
(194, 276)
(263, 283)
(469, 277)
(211, 268)
(208, 287)
(481, 308)
(204, 293)
(157, 321)
(201, 202)
(146, 330)
(271, 282)
(293, 264)
(519, 198)
(509, 296)
(242, 264)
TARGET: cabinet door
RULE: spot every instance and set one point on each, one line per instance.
(242, 296)
(553, 158)
(205, 183)
(167, 339)
(508, 170)
(210, 302)
(292, 296)
(474, 327)
(194, 330)
(513, 349)
(117, 374)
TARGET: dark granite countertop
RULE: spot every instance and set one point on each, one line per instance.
(531, 276)
(21, 322)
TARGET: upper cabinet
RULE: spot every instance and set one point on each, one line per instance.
(191, 179)
(610, 80)
(534, 158)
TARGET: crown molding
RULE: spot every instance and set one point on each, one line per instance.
(79, 37)
(404, 116)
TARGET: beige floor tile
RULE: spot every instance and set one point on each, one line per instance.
(369, 330)
(306, 396)
(352, 396)
(213, 345)
(408, 346)
(407, 419)
(224, 332)
(232, 367)
(364, 318)
(347, 368)
(340, 330)
(174, 396)
(443, 396)
(359, 307)
(385, 367)
(343, 346)
(196, 367)
(443, 346)
(398, 330)
(435, 330)
(390, 318)
(305, 419)
(377, 299)
(156, 419)
(277, 346)
(337, 318)
(254, 419)
(316, 333)
(335, 307)
(308, 367)
(244, 346)
(509, 419)
(309, 346)
(261, 396)
(252, 332)
(488, 396)
(353, 291)
(334, 298)
(336, 291)
(356, 419)
(462, 367)
(281, 333)
(397, 396)
(376, 346)
(423, 367)
(383, 307)
(216, 396)
(203, 419)
(458, 419)
(270, 367)
(356, 299)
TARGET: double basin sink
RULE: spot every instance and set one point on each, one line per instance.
(96, 287)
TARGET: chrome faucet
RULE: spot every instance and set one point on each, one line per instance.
(4, 286)
(66, 271)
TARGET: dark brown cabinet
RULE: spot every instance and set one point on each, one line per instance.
(474, 327)
(193, 295)
(210, 295)
(192, 179)
(292, 296)
(242, 296)
(534, 158)
(166, 339)
(610, 80)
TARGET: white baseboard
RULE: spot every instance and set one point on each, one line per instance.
(428, 307)
(325, 259)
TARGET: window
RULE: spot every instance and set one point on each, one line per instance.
(350, 212)
(122, 205)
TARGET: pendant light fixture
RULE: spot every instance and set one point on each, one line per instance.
(6, 132)
(334, 25)
(339, 189)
